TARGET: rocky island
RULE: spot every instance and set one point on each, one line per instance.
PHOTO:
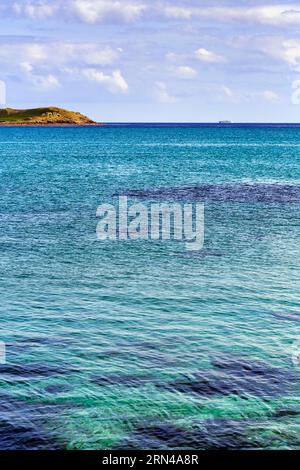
(43, 117)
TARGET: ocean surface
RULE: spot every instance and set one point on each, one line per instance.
(141, 344)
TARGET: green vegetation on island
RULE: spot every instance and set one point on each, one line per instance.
(42, 116)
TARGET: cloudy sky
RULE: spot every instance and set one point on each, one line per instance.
(154, 60)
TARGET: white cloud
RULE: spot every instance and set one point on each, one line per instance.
(26, 67)
(171, 57)
(207, 56)
(292, 52)
(270, 96)
(35, 52)
(276, 15)
(242, 96)
(43, 62)
(38, 10)
(227, 91)
(94, 55)
(276, 47)
(58, 53)
(93, 11)
(162, 95)
(87, 11)
(98, 11)
(184, 71)
(114, 82)
(43, 82)
(289, 51)
(184, 13)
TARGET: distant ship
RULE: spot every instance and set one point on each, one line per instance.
(224, 122)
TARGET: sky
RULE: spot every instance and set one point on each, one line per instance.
(153, 60)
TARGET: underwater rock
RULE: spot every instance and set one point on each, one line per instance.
(237, 376)
(210, 435)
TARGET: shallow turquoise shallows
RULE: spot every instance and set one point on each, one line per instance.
(140, 344)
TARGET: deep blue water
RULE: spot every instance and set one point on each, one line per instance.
(140, 344)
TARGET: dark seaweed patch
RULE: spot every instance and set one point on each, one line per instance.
(244, 365)
(21, 425)
(140, 344)
(40, 340)
(287, 412)
(209, 384)
(237, 376)
(32, 370)
(245, 193)
(14, 437)
(127, 380)
(257, 377)
(211, 435)
(57, 388)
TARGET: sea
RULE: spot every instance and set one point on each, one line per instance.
(141, 344)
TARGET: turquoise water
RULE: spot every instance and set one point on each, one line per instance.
(139, 344)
